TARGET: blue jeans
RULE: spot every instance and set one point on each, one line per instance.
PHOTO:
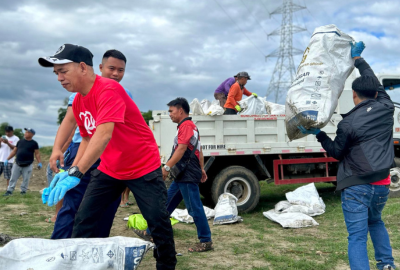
(190, 194)
(72, 200)
(362, 208)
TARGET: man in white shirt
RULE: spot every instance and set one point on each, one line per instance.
(7, 144)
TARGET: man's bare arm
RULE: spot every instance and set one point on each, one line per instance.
(37, 155)
(64, 131)
(93, 148)
(12, 154)
(68, 142)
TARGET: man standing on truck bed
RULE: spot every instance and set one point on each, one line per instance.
(236, 92)
(188, 156)
(363, 146)
(221, 93)
(112, 128)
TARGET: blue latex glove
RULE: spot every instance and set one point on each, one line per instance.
(61, 188)
(5, 162)
(58, 177)
(357, 48)
(40, 165)
(314, 131)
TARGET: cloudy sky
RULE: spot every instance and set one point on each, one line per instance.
(174, 48)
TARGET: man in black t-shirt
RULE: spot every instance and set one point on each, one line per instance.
(25, 150)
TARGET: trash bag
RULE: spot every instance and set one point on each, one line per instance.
(252, 106)
(205, 104)
(314, 93)
(137, 221)
(274, 108)
(226, 210)
(291, 220)
(307, 196)
(183, 215)
(215, 109)
(77, 253)
(195, 107)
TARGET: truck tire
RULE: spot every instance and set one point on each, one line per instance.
(395, 182)
(240, 182)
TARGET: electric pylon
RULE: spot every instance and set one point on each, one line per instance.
(284, 71)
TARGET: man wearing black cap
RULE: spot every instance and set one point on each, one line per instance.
(7, 144)
(25, 150)
(112, 128)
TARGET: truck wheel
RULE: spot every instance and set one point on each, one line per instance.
(395, 182)
(240, 182)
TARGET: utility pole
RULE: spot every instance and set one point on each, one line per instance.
(284, 71)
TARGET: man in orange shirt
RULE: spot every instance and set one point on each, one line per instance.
(236, 92)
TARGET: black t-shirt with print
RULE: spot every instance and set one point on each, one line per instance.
(25, 152)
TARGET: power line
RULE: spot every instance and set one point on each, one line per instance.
(254, 18)
(262, 3)
(239, 28)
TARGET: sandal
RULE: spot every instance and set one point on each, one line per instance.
(202, 247)
(143, 234)
(124, 205)
(49, 220)
(130, 203)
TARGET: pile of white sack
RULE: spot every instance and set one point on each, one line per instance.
(297, 212)
(77, 253)
(250, 106)
(314, 93)
(225, 212)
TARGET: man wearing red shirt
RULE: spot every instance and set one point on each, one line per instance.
(113, 129)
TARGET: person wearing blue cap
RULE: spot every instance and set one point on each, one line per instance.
(25, 150)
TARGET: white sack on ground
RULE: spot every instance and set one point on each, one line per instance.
(182, 215)
(195, 107)
(274, 108)
(291, 220)
(226, 210)
(78, 253)
(314, 93)
(205, 104)
(215, 109)
(252, 106)
(307, 196)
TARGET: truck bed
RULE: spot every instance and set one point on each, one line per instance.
(238, 135)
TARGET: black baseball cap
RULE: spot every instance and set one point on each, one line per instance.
(9, 128)
(68, 53)
(31, 130)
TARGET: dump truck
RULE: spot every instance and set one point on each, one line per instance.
(241, 150)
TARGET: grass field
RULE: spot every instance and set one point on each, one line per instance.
(257, 243)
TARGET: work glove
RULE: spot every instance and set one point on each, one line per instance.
(58, 177)
(5, 162)
(237, 107)
(58, 193)
(39, 165)
(255, 95)
(357, 48)
(314, 131)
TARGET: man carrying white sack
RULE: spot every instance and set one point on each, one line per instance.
(363, 146)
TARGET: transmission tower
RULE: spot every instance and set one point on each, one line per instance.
(284, 71)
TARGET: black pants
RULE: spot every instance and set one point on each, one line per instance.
(151, 196)
(229, 111)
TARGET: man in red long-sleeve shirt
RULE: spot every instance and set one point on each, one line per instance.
(236, 92)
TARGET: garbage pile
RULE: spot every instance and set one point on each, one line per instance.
(250, 106)
(321, 75)
(297, 212)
